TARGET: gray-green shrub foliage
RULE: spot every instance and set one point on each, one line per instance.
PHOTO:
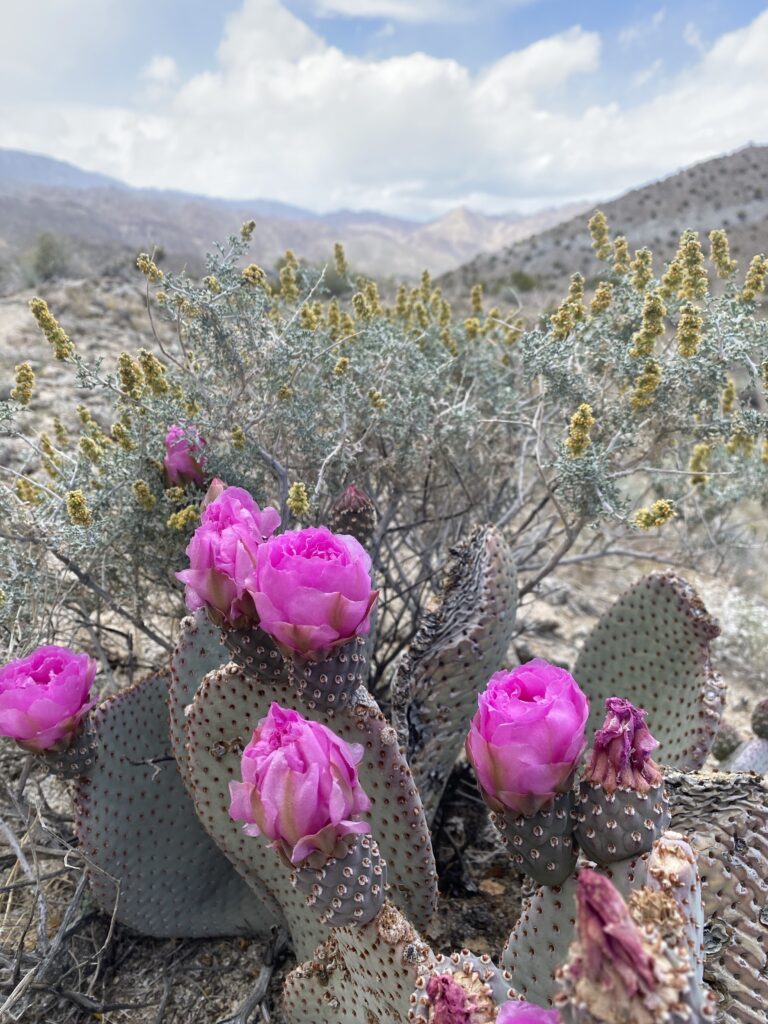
(446, 422)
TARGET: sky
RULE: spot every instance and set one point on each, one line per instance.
(407, 107)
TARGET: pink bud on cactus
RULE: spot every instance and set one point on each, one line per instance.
(215, 490)
(514, 1012)
(353, 500)
(527, 736)
(44, 696)
(300, 787)
(621, 755)
(222, 556)
(312, 590)
(184, 459)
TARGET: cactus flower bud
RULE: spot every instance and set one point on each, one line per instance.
(621, 755)
(215, 490)
(513, 1012)
(222, 556)
(300, 788)
(312, 590)
(184, 459)
(527, 736)
(44, 696)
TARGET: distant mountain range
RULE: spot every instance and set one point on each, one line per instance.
(102, 222)
(728, 192)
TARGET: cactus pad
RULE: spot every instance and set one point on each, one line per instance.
(541, 845)
(625, 823)
(225, 711)
(79, 757)
(487, 985)
(455, 652)
(361, 975)
(138, 830)
(726, 819)
(652, 648)
(346, 890)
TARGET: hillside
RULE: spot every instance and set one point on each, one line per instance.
(730, 191)
(102, 223)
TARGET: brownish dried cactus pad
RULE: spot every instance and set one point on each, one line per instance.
(652, 647)
(726, 819)
(455, 652)
(145, 848)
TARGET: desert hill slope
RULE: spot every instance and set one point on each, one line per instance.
(730, 191)
(99, 221)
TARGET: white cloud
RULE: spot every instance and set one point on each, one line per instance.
(638, 30)
(161, 70)
(399, 10)
(645, 75)
(40, 39)
(692, 36)
(287, 116)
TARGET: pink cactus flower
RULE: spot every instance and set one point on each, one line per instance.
(300, 787)
(44, 696)
(184, 460)
(621, 755)
(515, 1012)
(312, 590)
(222, 556)
(527, 736)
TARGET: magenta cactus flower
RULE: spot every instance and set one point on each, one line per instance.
(516, 1012)
(527, 736)
(184, 460)
(44, 696)
(449, 1002)
(312, 590)
(300, 787)
(222, 556)
(621, 754)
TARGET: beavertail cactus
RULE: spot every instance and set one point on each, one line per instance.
(622, 807)
(460, 989)
(617, 972)
(653, 648)
(353, 513)
(456, 650)
(525, 743)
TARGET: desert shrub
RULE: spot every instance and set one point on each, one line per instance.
(582, 437)
(49, 258)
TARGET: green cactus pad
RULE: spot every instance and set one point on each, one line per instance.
(625, 823)
(361, 975)
(539, 942)
(455, 652)
(198, 651)
(541, 845)
(726, 819)
(349, 889)
(652, 647)
(80, 756)
(145, 848)
(226, 709)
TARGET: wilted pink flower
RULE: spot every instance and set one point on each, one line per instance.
(300, 786)
(449, 1002)
(611, 945)
(527, 736)
(222, 556)
(621, 755)
(514, 1012)
(312, 589)
(184, 459)
(215, 490)
(44, 696)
